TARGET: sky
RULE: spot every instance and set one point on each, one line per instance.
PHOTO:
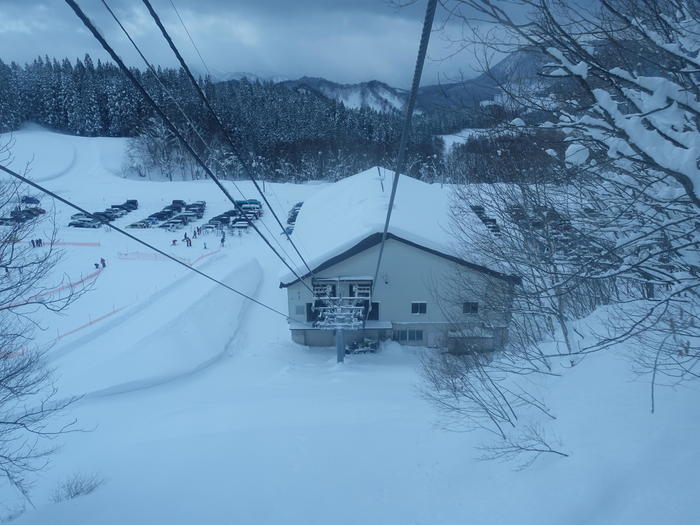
(341, 40)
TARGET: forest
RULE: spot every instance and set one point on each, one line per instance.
(290, 134)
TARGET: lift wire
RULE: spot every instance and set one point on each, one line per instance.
(88, 23)
(410, 106)
(190, 37)
(182, 112)
(134, 238)
(236, 150)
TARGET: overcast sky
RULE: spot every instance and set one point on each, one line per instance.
(342, 40)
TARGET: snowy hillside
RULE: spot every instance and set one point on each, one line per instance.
(373, 95)
(198, 408)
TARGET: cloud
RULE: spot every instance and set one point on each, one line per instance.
(343, 40)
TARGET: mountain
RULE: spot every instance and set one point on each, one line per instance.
(520, 68)
(374, 94)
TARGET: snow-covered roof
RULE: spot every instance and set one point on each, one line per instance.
(341, 215)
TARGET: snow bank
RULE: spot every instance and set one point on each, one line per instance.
(339, 216)
(166, 338)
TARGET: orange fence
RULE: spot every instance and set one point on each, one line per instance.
(56, 290)
(145, 256)
(92, 322)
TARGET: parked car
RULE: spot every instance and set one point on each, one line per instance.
(7, 221)
(178, 202)
(26, 199)
(139, 224)
(115, 212)
(85, 223)
(102, 217)
(76, 216)
(239, 226)
(252, 208)
(133, 203)
(209, 227)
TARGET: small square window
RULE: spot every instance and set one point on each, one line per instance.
(419, 308)
(300, 309)
(470, 308)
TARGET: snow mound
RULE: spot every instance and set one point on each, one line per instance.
(339, 216)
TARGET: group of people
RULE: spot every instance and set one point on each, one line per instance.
(197, 231)
(36, 243)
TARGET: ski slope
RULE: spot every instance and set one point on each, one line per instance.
(199, 408)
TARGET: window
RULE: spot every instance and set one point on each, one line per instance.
(360, 289)
(400, 335)
(324, 290)
(373, 313)
(299, 309)
(419, 308)
(415, 335)
(470, 308)
(408, 335)
(311, 314)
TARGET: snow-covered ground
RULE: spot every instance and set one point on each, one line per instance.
(200, 409)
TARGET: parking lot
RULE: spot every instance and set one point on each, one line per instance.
(177, 215)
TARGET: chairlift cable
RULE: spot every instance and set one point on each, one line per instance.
(190, 37)
(183, 113)
(91, 27)
(410, 106)
(236, 150)
(134, 238)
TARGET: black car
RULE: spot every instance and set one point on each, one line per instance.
(26, 199)
(102, 217)
(178, 202)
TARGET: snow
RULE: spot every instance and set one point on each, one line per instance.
(461, 137)
(339, 216)
(576, 154)
(200, 409)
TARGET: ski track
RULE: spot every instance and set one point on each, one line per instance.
(166, 379)
(179, 377)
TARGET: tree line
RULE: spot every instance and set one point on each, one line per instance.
(289, 133)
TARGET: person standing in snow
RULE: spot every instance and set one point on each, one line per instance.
(33, 243)
(97, 266)
(174, 242)
(103, 262)
(223, 239)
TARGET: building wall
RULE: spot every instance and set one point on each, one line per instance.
(408, 275)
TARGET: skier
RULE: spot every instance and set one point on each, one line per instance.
(39, 242)
(33, 243)
(97, 266)
(103, 262)
(223, 239)
(174, 242)
(205, 245)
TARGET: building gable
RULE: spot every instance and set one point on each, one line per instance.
(376, 238)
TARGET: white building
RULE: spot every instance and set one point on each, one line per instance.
(419, 297)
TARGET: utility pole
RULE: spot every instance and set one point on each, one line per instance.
(340, 344)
